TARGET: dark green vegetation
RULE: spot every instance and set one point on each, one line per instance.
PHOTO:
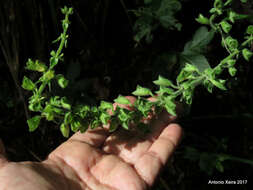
(115, 46)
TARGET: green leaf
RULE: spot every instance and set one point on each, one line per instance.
(219, 84)
(114, 124)
(35, 66)
(208, 85)
(68, 118)
(247, 54)
(106, 105)
(53, 61)
(164, 90)
(170, 106)
(226, 27)
(64, 130)
(232, 71)
(75, 124)
(48, 112)
(202, 20)
(122, 100)
(231, 62)
(141, 91)
(163, 81)
(198, 44)
(62, 82)
(249, 30)
(197, 60)
(104, 118)
(33, 123)
(48, 75)
(231, 43)
(125, 125)
(124, 115)
(65, 103)
(28, 84)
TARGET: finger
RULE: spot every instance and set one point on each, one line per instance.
(2, 154)
(150, 163)
(130, 146)
(96, 137)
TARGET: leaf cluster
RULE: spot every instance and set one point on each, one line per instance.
(196, 71)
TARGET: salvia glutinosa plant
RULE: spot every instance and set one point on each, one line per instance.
(196, 71)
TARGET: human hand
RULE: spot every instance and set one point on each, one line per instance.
(98, 160)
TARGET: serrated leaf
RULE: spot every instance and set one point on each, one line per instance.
(122, 100)
(28, 84)
(201, 39)
(33, 123)
(163, 81)
(141, 91)
(231, 43)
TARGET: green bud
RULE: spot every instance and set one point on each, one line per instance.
(231, 43)
(231, 62)
(247, 54)
(232, 71)
(226, 27)
(250, 30)
(62, 82)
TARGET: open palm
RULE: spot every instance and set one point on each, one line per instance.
(97, 160)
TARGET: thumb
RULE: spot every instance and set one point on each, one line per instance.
(3, 159)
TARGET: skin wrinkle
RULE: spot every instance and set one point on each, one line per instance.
(89, 173)
(76, 174)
